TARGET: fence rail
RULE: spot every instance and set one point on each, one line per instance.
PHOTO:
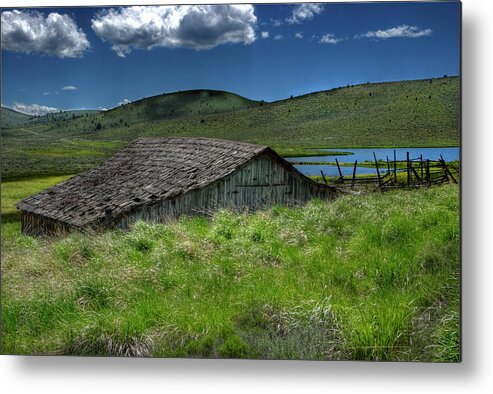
(410, 173)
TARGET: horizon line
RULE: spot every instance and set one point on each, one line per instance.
(237, 94)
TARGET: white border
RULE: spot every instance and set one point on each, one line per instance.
(474, 374)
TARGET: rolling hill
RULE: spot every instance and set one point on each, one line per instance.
(178, 105)
(401, 114)
(408, 113)
(11, 118)
(57, 118)
(151, 109)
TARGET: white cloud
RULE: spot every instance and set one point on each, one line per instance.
(299, 35)
(33, 109)
(304, 12)
(276, 22)
(329, 39)
(402, 31)
(264, 34)
(124, 102)
(46, 93)
(32, 31)
(70, 87)
(103, 109)
(278, 37)
(189, 26)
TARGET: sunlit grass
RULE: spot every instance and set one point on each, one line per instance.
(368, 277)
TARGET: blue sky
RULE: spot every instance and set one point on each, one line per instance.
(94, 58)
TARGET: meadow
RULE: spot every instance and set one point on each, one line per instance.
(367, 277)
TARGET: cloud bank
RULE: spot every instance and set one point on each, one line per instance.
(33, 32)
(33, 109)
(304, 12)
(188, 26)
(402, 31)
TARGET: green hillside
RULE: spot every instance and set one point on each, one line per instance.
(56, 119)
(410, 113)
(157, 108)
(399, 114)
(177, 105)
(11, 118)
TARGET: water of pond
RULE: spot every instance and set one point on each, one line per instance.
(366, 154)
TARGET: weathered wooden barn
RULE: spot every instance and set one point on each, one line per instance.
(157, 178)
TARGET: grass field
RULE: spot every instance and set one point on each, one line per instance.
(13, 192)
(373, 277)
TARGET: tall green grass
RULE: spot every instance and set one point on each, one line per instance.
(366, 277)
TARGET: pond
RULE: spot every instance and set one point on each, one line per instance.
(366, 154)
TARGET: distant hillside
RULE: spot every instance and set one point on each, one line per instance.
(407, 113)
(157, 108)
(11, 118)
(58, 117)
(398, 114)
(178, 105)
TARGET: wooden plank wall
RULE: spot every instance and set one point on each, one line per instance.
(32, 224)
(261, 183)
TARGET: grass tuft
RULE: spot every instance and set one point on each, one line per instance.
(92, 341)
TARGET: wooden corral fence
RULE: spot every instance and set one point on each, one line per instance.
(409, 173)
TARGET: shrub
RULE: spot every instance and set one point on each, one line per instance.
(234, 347)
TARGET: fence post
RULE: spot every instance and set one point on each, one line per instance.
(454, 168)
(395, 167)
(418, 179)
(354, 174)
(444, 167)
(323, 177)
(408, 170)
(447, 171)
(341, 178)
(421, 164)
(428, 178)
(378, 171)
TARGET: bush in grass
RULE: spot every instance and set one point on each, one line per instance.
(225, 225)
(76, 249)
(93, 293)
(234, 347)
(144, 236)
(99, 341)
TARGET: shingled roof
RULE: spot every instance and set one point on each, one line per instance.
(148, 169)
